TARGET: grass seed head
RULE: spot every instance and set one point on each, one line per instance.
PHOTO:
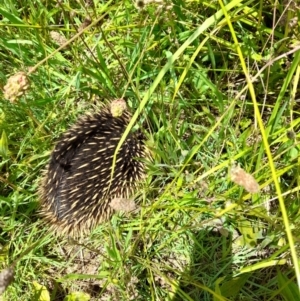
(58, 38)
(117, 107)
(241, 177)
(16, 86)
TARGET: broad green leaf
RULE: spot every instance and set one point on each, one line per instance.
(77, 296)
(262, 265)
(232, 287)
(3, 145)
(289, 289)
(10, 17)
(41, 292)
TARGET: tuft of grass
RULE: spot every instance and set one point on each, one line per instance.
(214, 86)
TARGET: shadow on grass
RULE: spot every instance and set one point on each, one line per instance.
(211, 271)
(211, 261)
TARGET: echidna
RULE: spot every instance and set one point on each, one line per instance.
(77, 186)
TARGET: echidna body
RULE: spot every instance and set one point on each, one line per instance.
(77, 186)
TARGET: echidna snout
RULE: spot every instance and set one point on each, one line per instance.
(77, 186)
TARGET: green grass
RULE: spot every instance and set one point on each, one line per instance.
(215, 84)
